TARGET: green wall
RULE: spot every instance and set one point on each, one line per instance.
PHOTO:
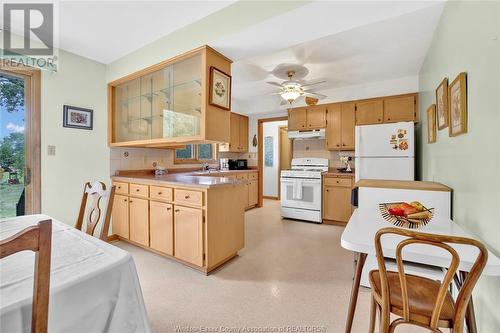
(467, 40)
(81, 155)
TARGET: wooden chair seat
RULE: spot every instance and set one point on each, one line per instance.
(421, 294)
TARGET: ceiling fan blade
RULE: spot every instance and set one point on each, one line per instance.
(319, 96)
(274, 84)
(283, 102)
(305, 85)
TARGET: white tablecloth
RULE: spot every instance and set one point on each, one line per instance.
(93, 285)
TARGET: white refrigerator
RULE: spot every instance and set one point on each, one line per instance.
(385, 151)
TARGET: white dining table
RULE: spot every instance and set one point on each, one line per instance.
(359, 237)
(94, 285)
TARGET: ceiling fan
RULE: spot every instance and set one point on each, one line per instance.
(292, 89)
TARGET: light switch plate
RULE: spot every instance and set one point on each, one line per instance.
(51, 150)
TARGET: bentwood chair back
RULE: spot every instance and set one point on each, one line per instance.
(417, 300)
(38, 239)
(97, 191)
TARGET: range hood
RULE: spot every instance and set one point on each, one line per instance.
(311, 134)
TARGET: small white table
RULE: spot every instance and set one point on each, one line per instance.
(93, 285)
(359, 237)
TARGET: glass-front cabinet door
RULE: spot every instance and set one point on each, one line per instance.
(163, 104)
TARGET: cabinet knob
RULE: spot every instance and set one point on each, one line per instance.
(119, 187)
(388, 118)
(137, 190)
(338, 145)
(379, 119)
(125, 200)
(177, 211)
(159, 193)
(130, 201)
(343, 144)
(168, 208)
(327, 190)
(186, 197)
(337, 181)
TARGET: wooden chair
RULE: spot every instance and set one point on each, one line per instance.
(97, 191)
(38, 239)
(421, 301)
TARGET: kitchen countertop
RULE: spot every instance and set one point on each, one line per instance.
(403, 184)
(333, 172)
(198, 179)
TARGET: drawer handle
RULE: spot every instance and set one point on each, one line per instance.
(168, 208)
(159, 193)
(177, 210)
(186, 197)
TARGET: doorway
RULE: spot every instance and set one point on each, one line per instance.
(272, 144)
(19, 141)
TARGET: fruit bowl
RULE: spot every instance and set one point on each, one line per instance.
(402, 214)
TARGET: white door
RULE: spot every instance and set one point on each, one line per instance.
(394, 140)
(402, 168)
(301, 193)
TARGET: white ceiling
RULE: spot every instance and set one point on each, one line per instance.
(348, 44)
(107, 30)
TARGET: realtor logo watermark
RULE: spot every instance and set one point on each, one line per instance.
(29, 34)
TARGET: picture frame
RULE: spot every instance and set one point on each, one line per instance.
(220, 89)
(457, 101)
(442, 106)
(431, 124)
(76, 117)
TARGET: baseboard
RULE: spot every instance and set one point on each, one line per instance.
(332, 222)
(270, 198)
(112, 238)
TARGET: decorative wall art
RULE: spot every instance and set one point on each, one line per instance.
(457, 99)
(220, 89)
(442, 107)
(75, 117)
(268, 151)
(431, 124)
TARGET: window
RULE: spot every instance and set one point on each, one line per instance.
(194, 154)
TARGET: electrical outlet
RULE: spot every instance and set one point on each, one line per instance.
(51, 150)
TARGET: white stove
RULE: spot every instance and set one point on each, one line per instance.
(301, 189)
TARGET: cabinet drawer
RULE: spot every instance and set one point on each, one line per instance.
(241, 176)
(253, 175)
(160, 193)
(188, 197)
(344, 182)
(121, 188)
(139, 190)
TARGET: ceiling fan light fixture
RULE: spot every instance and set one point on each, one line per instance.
(291, 92)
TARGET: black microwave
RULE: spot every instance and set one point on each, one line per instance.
(239, 164)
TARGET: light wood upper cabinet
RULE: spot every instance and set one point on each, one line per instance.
(243, 131)
(340, 128)
(316, 117)
(168, 103)
(120, 216)
(369, 112)
(238, 134)
(348, 125)
(400, 108)
(307, 118)
(297, 119)
(161, 226)
(139, 221)
(188, 235)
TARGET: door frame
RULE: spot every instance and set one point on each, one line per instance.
(280, 153)
(260, 152)
(32, 92)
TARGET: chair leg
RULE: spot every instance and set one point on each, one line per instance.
(373, 315)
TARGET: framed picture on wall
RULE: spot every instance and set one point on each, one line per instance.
(442, 104)
(220, 89)
(431, 124)
(457, 99)
(75, 117)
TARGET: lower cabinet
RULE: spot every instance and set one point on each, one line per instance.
(188, 234)
(120, 216)
(161, 227)
(253, 193)
(139, 221)
(337, 199)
